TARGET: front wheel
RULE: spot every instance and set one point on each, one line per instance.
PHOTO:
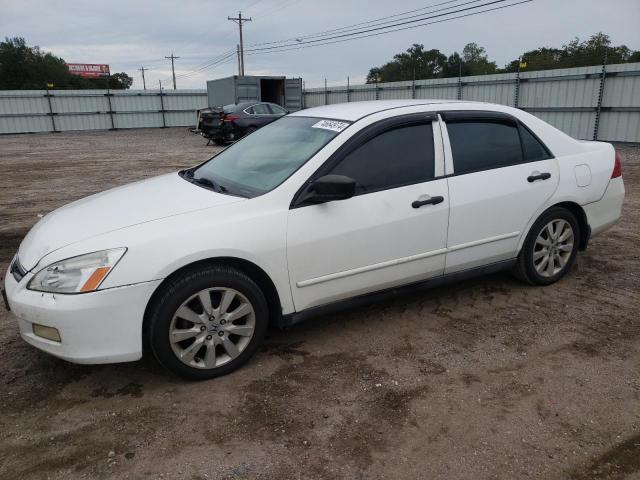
(550, 248)
(207, 323)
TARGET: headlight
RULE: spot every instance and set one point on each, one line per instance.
(79, 274)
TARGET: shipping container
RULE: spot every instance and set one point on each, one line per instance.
(286, 92)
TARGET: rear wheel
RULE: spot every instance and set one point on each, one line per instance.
(550, 248)
(250, 130)
(207, 323)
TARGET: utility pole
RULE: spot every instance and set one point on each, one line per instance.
(239, 62)
(173, 71)
(144, 85)
(460, 80)
(239, 20)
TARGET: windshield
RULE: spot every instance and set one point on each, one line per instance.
(264, 159)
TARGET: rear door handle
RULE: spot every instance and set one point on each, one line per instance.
(538, 176)
(427, 200)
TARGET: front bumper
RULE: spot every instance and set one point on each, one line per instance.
(98, 327)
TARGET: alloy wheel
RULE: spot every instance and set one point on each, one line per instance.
(553, 248)
(212, 327)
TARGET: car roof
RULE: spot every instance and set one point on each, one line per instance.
(244, 105)
(356, 110)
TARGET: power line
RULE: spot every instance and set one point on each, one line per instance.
(252, 5)
(277, 8)
(352, 27)
(286, 48)
(206, 64)
(380, 28)
(204, 67)
(209, 62)
(215, 62)
(362, 33)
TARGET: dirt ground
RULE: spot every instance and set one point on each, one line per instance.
(486, 379)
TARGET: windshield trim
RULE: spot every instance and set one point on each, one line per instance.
(249, 192)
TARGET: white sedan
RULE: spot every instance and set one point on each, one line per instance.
(326, 207)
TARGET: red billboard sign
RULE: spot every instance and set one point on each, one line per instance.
(89, 70)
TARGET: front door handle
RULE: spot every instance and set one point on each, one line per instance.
(427, 200)
(538, 176)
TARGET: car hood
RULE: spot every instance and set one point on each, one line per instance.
(121, 207)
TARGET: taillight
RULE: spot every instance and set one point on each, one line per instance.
(617, 167)
(230, 118)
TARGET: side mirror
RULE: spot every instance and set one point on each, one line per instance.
(331, 187)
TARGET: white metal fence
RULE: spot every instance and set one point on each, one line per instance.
(587, 102)
(595, 102)
(25, 111)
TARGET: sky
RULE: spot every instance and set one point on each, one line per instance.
(134, 33)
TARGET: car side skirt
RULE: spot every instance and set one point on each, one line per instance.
(288, 320)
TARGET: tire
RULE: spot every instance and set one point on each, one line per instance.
(250, 130)
(193, 340)
(532, 267)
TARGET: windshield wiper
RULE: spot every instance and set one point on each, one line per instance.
(207, 182)
(187, 172)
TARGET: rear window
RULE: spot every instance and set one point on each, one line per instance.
(229, 108)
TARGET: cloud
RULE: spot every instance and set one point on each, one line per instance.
(130, 34)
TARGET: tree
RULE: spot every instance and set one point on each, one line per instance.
(576, 54)
(541, 59)
(476, 61)
(374, 75)
(28, 68)
(454, 67)
(23, 67)
(120, 81)
(416, 63)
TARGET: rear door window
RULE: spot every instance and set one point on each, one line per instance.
(484, 144)
(261, 109)
(276, 110)
(532, 148)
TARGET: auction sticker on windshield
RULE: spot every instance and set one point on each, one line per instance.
(331, 125)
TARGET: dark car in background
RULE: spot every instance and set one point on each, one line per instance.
(229, 123)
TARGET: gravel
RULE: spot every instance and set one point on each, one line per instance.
(488, 378)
